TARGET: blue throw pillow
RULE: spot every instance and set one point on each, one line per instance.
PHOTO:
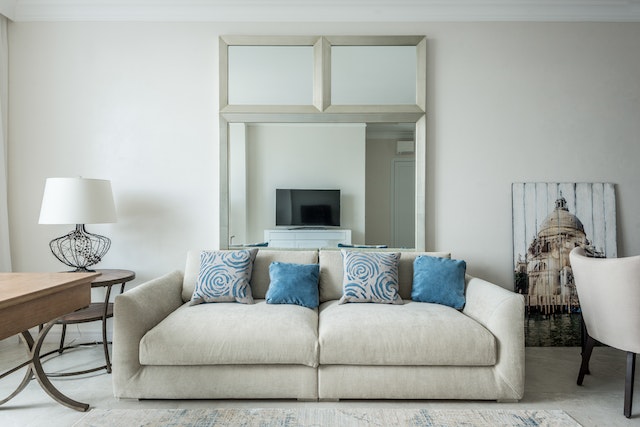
(439, 280)
(293, 284)
(370, 277)
(224, 277)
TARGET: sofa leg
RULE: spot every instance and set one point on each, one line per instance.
(507, 400)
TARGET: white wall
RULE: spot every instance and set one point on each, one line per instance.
(131, 103)
(519, 103)
(314, 156)
(137, 103)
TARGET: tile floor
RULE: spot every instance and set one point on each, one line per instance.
(550, 384)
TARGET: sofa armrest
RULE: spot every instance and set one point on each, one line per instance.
(502, 312)
(135, 313)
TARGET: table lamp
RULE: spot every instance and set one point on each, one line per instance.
(78, 201)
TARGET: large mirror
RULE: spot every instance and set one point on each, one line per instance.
(374, 152)
(373, 166)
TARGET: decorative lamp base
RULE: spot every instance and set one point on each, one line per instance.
(80, 249)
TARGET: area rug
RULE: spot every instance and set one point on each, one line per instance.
(316, 417)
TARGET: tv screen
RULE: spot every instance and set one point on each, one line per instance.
(307, 208)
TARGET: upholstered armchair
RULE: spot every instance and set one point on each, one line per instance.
(609, 293)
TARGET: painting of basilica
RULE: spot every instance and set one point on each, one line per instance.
(549, 220)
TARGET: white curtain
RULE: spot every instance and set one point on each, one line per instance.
(5, 252)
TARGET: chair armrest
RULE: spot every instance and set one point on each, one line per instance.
(135, 312)
(502, 312)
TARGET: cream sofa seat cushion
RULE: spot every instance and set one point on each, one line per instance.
(234, 334)
(415, 333)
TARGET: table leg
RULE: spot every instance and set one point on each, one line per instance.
(28, 342)
(105, 343)
(41, 376)
(34, 366)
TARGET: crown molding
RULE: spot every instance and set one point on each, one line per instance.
(323, 10)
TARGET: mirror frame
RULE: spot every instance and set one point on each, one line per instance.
(322, 111)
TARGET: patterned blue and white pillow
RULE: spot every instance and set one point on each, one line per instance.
(370, 277)
(224, 277)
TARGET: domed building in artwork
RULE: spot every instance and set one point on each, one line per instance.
(550, 281)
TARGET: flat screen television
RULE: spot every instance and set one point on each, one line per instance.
(307, 208)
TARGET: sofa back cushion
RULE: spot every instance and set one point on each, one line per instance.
(331, 272)
(260, 274)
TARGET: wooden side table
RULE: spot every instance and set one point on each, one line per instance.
(94, 312)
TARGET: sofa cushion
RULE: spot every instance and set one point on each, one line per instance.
(439, 280)
(260, 273)
(224, 276)
(233, 334)
(415, 333)
(331, 272)
(370, 277)
(293, 284)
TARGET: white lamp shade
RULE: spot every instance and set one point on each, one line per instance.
(77, 201)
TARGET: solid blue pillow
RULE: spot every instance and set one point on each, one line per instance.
(293, 284)
(439, 280)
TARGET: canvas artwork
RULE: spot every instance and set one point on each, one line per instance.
(549, 220)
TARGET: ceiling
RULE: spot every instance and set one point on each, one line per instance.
(322, 10)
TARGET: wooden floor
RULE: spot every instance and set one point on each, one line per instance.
(550, 384)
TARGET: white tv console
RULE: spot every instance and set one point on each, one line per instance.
(307, 237)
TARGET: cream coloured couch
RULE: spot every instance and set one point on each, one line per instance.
(164, 348)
